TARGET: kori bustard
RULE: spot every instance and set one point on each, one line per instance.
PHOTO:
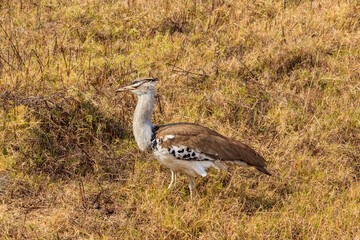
(185, 147)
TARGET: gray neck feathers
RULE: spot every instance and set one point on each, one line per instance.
(142, 126)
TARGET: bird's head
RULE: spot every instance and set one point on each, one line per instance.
(141, 86)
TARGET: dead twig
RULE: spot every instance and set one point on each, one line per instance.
(248, 69)
(82, 195)
(179, 69)
(7, 62)
(16, 50)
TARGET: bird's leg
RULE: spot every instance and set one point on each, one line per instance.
(173, 178)
(192, 184)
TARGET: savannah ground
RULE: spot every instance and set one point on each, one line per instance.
(281, 76)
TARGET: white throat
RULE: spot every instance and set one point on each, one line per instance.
(142, 126)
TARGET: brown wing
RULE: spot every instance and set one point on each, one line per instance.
(210, 143)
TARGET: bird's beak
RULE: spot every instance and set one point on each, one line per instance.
(123, 89)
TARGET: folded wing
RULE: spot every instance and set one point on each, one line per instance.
(194, 142)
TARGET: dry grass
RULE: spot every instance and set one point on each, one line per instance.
(280, 76)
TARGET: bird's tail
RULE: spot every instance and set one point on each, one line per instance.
(263, 170)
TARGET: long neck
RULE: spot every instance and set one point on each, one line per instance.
(142, 126)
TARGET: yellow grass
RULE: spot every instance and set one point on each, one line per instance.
(281, 76)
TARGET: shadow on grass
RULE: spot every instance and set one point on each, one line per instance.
(61, 135)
